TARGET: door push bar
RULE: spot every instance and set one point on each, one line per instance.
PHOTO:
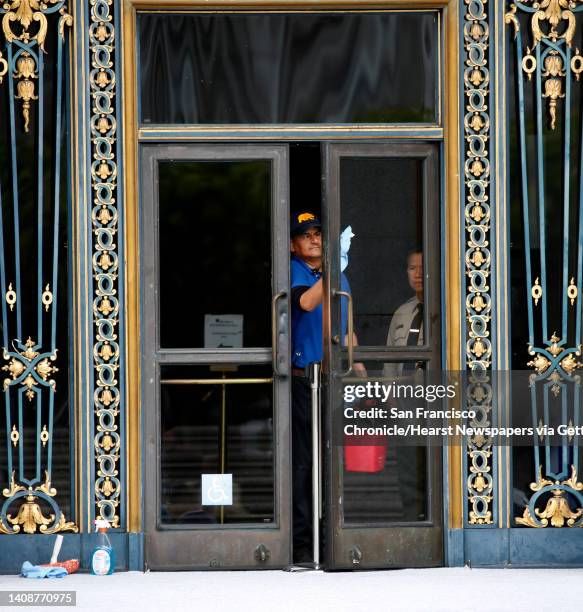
(316, 460)
(349, 331)
(278, 327)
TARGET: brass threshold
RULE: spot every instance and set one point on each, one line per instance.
(216, 381)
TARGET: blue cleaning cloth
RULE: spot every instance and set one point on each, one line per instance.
(37, 571)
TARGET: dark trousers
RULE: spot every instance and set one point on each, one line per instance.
(302, 462)
(412, 466)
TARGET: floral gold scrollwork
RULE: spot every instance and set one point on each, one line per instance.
(14, 488)
(510, 18)
(553, 92)
(536, 291)
(572, 291)
(14, 436)
(553, 65)
(47, 298)
(3, 67)
(529, 64)
(555, 378)
(540, 481)
(65, 20)
(562, 358)
(16, 368)
(553, 87)
(478, 212)
(46, 486)
(557, 511)
(30, 516)
(26, 71)
(577, 64)
(44, 436)
(478, 303)
(570, 364)
(45, 369)
(540, 363)
(107, 487)
(38, 369)
(554, 347)
(11, 297)
(106, 304)
(107, 443)
(553, 23)
(554, 12)
(23, 14)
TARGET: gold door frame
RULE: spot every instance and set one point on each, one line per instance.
(132, 137)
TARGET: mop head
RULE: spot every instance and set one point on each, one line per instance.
(71, 565)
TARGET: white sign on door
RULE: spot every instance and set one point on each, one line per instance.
(223, 331)
(217, 489)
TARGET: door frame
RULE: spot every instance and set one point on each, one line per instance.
(342, 540)
(226, 546)
(447, 134)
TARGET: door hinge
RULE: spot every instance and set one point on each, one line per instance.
(262, 553)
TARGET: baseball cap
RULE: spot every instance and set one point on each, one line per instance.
(302, 220)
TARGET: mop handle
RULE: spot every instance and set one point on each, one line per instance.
(56, 549)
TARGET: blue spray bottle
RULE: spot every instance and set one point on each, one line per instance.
(103, 556)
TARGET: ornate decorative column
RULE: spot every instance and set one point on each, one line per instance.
(478, 508)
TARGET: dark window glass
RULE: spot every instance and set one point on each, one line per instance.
(385, 482)
(212, 428)
(382, 200)
(215, 259)
(288, 68)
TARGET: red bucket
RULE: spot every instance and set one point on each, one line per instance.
(369, 455)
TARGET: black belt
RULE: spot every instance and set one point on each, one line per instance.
(304, 372)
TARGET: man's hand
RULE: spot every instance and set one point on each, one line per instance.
(359, 370)
(358, 367)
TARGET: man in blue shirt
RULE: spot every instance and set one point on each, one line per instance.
(307, 348)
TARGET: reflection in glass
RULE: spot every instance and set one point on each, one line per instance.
(214, 224)
(382, 199)
(383, 482)
(216, 429)
(288, 68)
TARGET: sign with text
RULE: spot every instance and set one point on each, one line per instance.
(223, 331)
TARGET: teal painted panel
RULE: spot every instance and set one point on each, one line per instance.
(546, 547)
(523, 547)
(486, 547)
(14, 550)
(454, 554)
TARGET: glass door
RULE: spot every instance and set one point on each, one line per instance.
(382, 499)
(215, 279)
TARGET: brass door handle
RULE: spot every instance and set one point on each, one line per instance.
(349, 330)
(275, 329)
